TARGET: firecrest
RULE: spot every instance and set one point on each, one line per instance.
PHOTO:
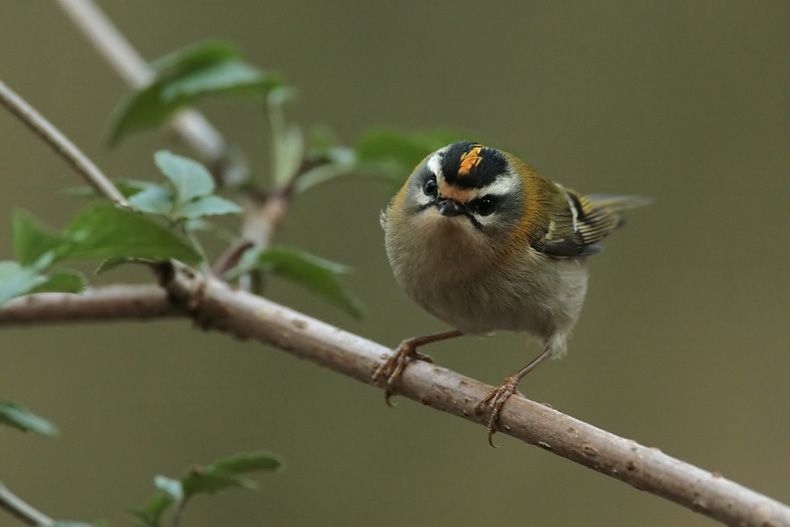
(483, 242)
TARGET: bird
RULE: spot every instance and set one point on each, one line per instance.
(483, 242)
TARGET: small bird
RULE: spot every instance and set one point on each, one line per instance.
(483, 242)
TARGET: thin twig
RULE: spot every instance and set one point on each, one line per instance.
(189, 125)
(22, 510)
(60, 143)
(213, 304)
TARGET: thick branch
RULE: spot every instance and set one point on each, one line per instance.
(103, 303)
(60, 143)
(213, 304)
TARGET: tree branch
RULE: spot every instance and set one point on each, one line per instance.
(60, 143)
(95, 304)
(213, 304)
(22, 510)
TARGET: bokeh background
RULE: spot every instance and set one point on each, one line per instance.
(683, 343)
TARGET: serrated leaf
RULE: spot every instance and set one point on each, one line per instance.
(154, 200)
(396, 153)
(104, 231)
(316, 274)
(111, 263)
(207, 206)
(16, 280)
(15, 416)
(62, 282)
(31, 239)
(190, 179)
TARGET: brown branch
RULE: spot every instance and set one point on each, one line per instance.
(213, 304)
(60, 143)
(96, 304)
(22, 510)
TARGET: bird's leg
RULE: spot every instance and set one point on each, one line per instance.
(496, 398)
(393, 367)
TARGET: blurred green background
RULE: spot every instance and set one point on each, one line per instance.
(682, 344)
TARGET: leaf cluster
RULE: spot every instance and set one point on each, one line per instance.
(224, 474)
(163, 218)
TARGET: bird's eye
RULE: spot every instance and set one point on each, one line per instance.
(430, 187)
(484, 206)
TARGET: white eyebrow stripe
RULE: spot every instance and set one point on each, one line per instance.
(504, 184)
(435, 165)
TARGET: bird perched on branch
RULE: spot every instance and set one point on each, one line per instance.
(483, 242)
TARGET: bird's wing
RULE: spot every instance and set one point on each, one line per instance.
(580, 222)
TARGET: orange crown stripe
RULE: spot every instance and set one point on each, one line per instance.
(469, 160)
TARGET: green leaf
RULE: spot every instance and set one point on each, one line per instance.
(16, 280)
(15, 416)
(154, 200)
(250, 462)
(180, 79)
(142, 110)
(234, 77)
(193, 57)
(208, 206)
(190, 179)
(62, 282)
(395, 153)
(104, 231)
(152, 513)
(206, 481)
(220, 475)
(316, 274)
(224, 473)
(31, 239)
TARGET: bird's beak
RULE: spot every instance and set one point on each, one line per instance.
(449, 207)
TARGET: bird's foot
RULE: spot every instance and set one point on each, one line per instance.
(392, 368)
(495, 400)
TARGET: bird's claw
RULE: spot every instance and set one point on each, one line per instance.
(495, 400)
(392, 368)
